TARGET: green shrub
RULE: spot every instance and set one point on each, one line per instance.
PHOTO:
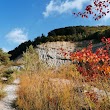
(8, 74)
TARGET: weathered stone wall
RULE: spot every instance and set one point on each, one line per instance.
(55, 53)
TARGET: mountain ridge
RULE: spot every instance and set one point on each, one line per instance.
(77, 34)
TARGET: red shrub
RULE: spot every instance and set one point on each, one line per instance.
(93, 64)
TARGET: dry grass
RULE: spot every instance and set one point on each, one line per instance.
(44, 93)
(2, 93)
(6, 77)
(59, 91)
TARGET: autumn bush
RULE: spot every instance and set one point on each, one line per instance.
(93, 64)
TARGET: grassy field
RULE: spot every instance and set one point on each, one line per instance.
(63, 89)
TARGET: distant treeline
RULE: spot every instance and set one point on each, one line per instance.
(72, 33)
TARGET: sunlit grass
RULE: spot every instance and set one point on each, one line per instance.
(50, 91)
(60, 89)
(2, 93)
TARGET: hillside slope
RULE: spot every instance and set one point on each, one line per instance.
(58, 53)
(71, 34)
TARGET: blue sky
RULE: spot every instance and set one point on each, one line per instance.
(22, 20)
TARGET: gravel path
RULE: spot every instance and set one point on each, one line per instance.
(5, 103)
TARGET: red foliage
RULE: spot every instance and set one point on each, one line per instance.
(93, 64)
(98, 9)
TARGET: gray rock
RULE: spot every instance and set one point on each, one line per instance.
(53, 52)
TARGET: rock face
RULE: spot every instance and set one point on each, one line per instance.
(55, 53)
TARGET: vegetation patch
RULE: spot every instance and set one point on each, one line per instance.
(67, 88)
(2, 93)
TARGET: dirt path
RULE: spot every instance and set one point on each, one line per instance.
(5, 103)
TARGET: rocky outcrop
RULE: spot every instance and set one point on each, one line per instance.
(55, 53)
(58, 53)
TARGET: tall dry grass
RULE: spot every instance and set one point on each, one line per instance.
(2, 93)
(62, 89)
(48, 92)
(44, 93)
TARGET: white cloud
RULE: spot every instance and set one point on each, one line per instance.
(5, 50)
(17, 35)
(63, 6)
